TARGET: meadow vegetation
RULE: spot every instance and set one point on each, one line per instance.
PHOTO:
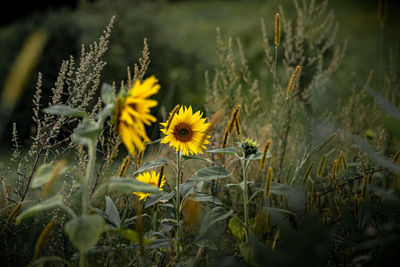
(261, 174)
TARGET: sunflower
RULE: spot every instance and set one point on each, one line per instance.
(186, 132)
(132, 112)
(150, 178)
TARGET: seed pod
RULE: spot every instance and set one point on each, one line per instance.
(53, 178)
(44, 237)
(268, 182)
(277, 29)
(276, 236)
(309, 170)
(396, 157)
(364, 188)
(124, 166)
(14, 213)
(265, 153)
(343, 161)
(293, 80)
(171, 116)
(382, 10)
(321, 165)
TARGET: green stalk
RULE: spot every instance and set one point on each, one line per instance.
(178, 201)
(90, 171)
(245, 198)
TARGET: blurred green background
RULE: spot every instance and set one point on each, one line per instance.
(182, 40)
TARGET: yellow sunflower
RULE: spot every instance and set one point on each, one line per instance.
(186, 132)
(132, 112)
(150, 178)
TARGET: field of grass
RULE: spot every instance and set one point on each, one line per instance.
(267, 142)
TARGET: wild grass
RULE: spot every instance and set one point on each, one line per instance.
(296, 184)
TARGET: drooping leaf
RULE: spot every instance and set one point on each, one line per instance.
(227, 150)
(205, 198)
(237, 228)
(49, 203)
(213, 216)
(64, 110)
(130, 185)
(85, 231)
(191, 187)
(210, 173)
(44, 173)
(153, 199)
(133, 236)
(152, 164)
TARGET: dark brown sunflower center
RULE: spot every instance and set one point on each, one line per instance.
(183, 132)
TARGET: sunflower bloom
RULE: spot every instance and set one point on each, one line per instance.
(132, 112)
(150, 178)
(186, 132)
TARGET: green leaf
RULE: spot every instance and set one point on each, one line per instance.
(85, 231)
(107, 93)
(213, 216)
(86, 132)
(237, 228)
(107, 111)
(49, 203)
(383, 103)
(195, 157)
(248, 253)
(205, 243)
(258, 156)
(227, 150)
(204, 198)
(67, 111)
(112, 212)
(153, 199)
(43, 175)
(190, 187)
(152, 164)
(130, 185)
(210, 173)
(133, 236)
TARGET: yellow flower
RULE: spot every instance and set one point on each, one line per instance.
(186, 132)
(132, 112)
(150, 178)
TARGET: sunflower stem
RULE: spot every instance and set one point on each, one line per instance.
(245, 197)
(178, 201)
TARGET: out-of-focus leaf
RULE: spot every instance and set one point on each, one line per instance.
(44, 173)
(383, 103)
(49, 203)
(107, 93)
(213, 216)
(227, 150)
(237, 228)
(64, 110)
(190, 187)
(133, 236)
(203, 198)
(248, 253)
(152, 164)
(153, 199)
(85, 231)
(130, 185)
(112, 212)
(86, 132)
(210, 173)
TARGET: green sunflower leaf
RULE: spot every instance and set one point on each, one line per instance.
(210, 173)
